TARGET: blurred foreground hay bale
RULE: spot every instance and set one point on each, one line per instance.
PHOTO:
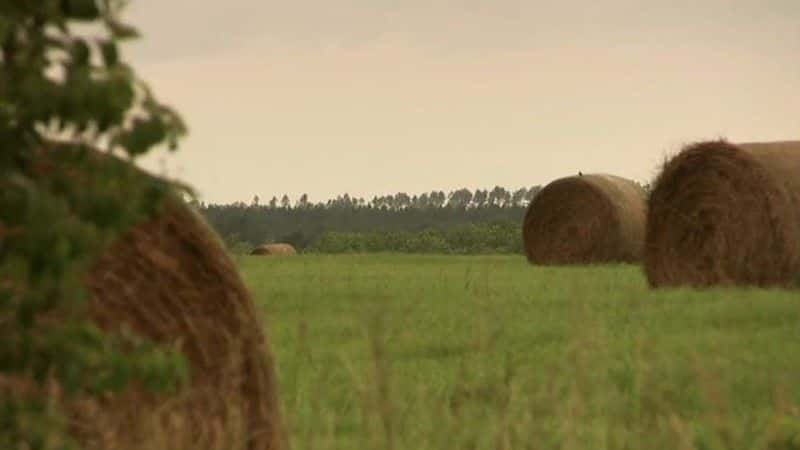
(592, 218)
(726, 214)
(170, 279)
(274, 250)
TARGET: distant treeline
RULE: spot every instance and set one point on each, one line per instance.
(461, 221)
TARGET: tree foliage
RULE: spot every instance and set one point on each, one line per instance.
(64, 92)
(305, 224)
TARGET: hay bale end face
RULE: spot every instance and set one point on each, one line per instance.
(274, 250)
(726, 214)
(591, 218)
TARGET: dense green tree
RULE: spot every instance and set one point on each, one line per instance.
(499, 196)
(302, 202)
(423, 201)
(459, 198)
(402, 200)
(390, 202)
(518, 197)
(438, 199)
(532, 193)
(480, 197)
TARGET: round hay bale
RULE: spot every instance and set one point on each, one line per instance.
(726, 214)
(274, 250)
(170, 279)
(591, 218)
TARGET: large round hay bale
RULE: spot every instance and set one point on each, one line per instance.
(170, 279)
(274, 250)
(726, 214)
(592, 218)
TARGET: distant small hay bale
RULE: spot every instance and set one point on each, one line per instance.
(170, 279)
(726, 214)
(591, 218)
(274, 250)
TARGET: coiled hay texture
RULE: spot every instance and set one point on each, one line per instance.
(726, 214)
(587, 219)
(274, 250)
(169, 279)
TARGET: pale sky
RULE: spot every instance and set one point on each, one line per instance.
(371, 97)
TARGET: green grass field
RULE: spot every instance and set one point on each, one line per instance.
(444, 352)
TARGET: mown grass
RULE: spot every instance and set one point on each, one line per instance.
(445, 352)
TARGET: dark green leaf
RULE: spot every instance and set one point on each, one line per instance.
(80, 9)
(110, 53)
(144, 134)
(80, 53)
(122, 31)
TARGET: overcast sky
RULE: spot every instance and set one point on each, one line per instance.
(378, 96)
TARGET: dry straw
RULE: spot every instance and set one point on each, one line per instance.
(726, 214)
(170, 279)
(274, 250)
(593, 218)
